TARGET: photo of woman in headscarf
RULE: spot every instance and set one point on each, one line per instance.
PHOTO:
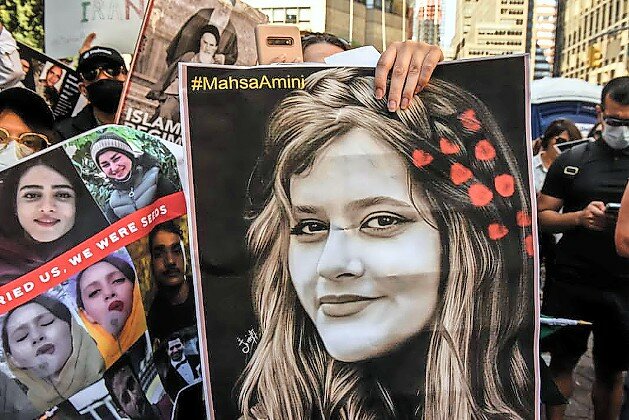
(136, 177)
(48, 351)
(166, 90)
(393, 276)
(46, 210)
(110, 306)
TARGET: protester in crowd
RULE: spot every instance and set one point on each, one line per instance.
(317, 46)
(127, 394)
(622, 228)
(364, 274)
(102, 71)
(39, 205)
(166, 90)
(49, 352)
(410, 64)
(181, 369)
(622, 246)
(26, 125)
(557, 132)
(136, 177)
(11, 72)
(590, 277)
(110, 306)
(173, 307)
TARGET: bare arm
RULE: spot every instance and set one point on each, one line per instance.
(622, 226)
(551, 220)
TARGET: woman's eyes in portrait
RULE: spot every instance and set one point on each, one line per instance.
(93, 293)
(20, 336)
(119, 280)
(31, 195)
(309, 227)
(65, 194)
(383, 224)
(46, 320)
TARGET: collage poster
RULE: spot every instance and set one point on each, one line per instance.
(51, 79)
(97, 310)
(198, 31)
(359, 263)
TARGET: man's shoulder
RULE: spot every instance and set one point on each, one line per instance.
(80, 123)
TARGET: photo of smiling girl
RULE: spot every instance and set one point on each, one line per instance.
(393, 276)
(48, 352)
(136, 176)
(39, 203)
(110, 305)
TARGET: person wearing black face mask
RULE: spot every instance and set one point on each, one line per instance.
(103, 72)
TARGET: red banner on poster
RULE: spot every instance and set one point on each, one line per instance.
(125, 231)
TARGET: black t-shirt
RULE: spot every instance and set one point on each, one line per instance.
(165, 319)
(601, 175)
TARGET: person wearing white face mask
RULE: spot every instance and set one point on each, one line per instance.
(26, 125)
(591, 279)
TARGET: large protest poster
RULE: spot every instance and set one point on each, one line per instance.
(358, 263)
(96, 296)
(115, 22)
(53, 80)
(173, 31)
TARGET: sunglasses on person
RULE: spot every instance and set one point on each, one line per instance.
(111, 71)
(616, 122)
(34, 141)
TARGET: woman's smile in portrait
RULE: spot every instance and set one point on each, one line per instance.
(115, 165)
(45, 204)
(363, 256)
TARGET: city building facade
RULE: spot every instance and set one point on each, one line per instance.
(427, 21)
(357, 21)
(490, 27)
(592, 39)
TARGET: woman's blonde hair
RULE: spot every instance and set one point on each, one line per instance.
(480, 356)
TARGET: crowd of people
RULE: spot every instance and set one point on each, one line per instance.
(578, 192)
(584, 241)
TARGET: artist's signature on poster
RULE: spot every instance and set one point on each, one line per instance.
(247, 344)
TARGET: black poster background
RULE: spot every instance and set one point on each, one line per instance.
(69, 92)
(226, 134)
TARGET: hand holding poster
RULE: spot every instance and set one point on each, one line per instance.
(386, 257)
(94, 246)
(200, 31)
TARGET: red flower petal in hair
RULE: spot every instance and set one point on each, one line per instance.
(504, 185)
(523, 219)
(484, 150)
(447, 147)
(421, 158)
(480, 195)
(459, 174)
(469, 121)
(528, 245)
(497, 231)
